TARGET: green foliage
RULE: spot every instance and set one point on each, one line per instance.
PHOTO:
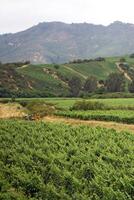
(56, 66)
(87, 60)
(115, 82)
(131, 87)
(55, 162)
(88, 105)
(122, 59)
(40, 108)
(75, 86)
(95, 68)
(131, 55)
(125, 116)
(90, 84)
(113, 95)
(52, 80)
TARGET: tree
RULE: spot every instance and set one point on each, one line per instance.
(115, 82)
(131, 87)
(122, 60)
(132, 55)
(56, 66)
(75, 86)
(27, 62)
(90, 84)
(99, 59)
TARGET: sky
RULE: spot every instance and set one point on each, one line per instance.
(18, 15)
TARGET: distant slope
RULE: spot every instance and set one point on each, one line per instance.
(57, 42)
(99, 69)
(52, 80)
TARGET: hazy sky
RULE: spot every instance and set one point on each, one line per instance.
(17, 15)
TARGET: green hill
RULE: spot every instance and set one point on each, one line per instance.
(52, 79)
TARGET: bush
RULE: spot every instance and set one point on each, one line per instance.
(56, 66)
(132, 55)
(40, 108)
(88, 105)
(4, 100)
(122, 60)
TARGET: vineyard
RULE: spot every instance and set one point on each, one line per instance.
(56, 162)
(124, 116)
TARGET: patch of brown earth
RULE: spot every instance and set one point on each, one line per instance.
(92, 123)
(122, 71)
(11, 110)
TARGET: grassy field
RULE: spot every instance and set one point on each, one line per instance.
(56, 161)
(99, 69)
(68, 102)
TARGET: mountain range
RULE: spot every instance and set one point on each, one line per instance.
(57, 42)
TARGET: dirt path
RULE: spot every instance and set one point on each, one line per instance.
(22, 67)
(74, 71)
(122, 71)
(92, 123)
(11, 110)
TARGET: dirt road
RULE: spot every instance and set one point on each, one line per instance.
(122, 71)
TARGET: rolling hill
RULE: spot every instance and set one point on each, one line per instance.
(44, 80)
(57, 42)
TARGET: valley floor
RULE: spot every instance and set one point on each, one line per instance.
(15, 111)
(59, 157)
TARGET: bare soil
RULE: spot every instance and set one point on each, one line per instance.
(11, 110)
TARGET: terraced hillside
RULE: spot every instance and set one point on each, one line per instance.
(52, 79)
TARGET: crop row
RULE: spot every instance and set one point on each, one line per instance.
(123, 116)
(56, 161)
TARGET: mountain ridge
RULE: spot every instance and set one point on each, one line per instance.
(58, 42)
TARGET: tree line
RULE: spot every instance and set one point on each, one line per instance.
(115, 82)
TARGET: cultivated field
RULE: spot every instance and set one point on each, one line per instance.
(68, 102)
(70, 156)
(124, 116)
(56, 161)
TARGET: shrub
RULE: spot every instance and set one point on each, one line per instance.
(88, 105)
(4, 100)
(122, 60)
(40, 108)
(132, 55)
(56, 66)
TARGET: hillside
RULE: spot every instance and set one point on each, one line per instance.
(46, 80)
(57, 42)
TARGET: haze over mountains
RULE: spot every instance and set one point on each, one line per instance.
(57, 42)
